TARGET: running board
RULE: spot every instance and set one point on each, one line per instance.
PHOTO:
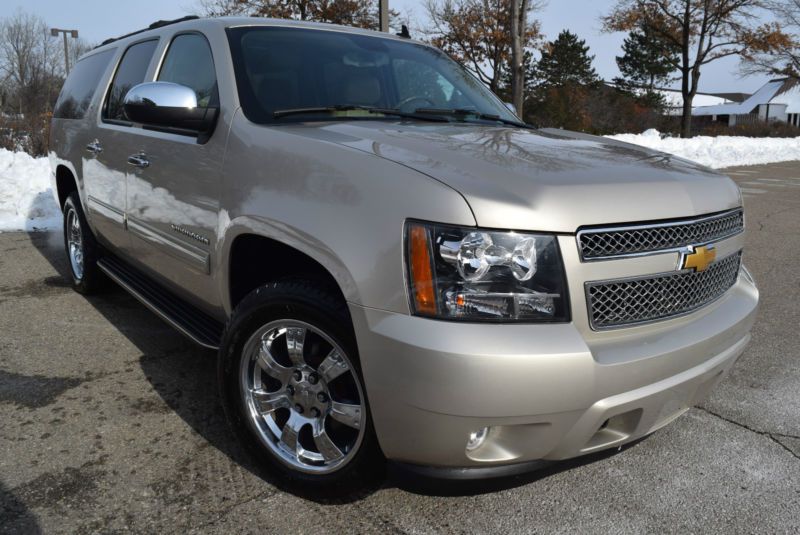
(193, 323)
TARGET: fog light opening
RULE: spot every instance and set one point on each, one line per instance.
(477, 438)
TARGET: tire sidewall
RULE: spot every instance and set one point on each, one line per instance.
(90, 279)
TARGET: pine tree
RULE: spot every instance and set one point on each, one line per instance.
(647, 60)
(564, 62)
(562, 81)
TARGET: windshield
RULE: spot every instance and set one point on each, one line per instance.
(281, 69)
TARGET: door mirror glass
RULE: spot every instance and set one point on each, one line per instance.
(168, 105)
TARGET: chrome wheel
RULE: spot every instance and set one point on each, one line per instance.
(75, 243)
(302, 396)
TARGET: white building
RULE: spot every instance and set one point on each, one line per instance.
(673, 99)
(777, 100)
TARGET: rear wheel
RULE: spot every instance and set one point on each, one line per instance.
(292, 385)
(81, 248)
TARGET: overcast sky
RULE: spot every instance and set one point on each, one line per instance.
(99, 19)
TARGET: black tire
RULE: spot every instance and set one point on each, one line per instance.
(89, 279)
(305, 302)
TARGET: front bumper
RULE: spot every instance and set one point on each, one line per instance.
(545, 391)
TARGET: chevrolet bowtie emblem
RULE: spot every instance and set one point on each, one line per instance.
(697, 258)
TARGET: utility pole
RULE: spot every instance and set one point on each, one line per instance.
(74, 33)
(383, 5)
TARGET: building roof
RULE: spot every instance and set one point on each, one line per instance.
(790, 96)
(734, 97)
(765, 95)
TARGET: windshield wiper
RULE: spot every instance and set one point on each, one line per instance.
(466, 112)
(376, 111)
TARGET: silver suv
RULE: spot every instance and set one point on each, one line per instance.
(391, 264)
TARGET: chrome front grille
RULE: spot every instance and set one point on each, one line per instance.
(620, 302)
(627, 240)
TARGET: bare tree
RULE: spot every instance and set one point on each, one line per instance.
(704, 30)
(479, 35)
(31, 75)
(31, 62)
(18, 50)
(783, 59)
(222, 8)
(358, 13)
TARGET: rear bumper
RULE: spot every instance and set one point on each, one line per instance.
(545, 392)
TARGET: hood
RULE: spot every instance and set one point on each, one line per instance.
(546, 180)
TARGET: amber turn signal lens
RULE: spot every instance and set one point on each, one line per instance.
(421, 270)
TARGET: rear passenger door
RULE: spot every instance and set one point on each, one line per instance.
(173, 202)
(108, 145)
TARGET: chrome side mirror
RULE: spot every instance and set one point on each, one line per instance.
(168, 105)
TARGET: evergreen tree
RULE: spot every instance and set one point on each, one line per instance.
(647, 60)
(565, 62)
(562, 82)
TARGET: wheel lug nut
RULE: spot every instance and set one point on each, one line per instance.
(298, 408)
(322, 397)
(298, 375)
(312, 378)
(290, 390)
(315, 412)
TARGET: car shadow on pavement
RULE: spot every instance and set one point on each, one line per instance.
(15, 517)
(184, 376)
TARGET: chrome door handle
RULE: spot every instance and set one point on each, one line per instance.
(139, 160)
(94, 147)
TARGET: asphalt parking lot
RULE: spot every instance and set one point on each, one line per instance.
(109, 422)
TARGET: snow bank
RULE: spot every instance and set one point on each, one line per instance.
(722, 151)
(26, 198)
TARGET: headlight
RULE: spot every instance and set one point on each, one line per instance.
(482, 275)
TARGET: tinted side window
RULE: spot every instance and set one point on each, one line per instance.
(189, 63)
(130, 72)
(80, 86)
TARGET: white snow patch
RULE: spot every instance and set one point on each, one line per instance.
(721, 151)
(26, 198)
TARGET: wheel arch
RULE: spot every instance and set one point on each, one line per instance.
(66, 183)
(252, 257)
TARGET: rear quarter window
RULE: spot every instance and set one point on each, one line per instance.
(81, 84)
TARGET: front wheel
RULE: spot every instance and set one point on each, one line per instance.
(292, 386)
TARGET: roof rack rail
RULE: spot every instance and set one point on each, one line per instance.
(156, 24)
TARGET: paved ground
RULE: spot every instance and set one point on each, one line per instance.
(109, 422)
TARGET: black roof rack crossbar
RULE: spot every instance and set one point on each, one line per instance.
(156, 24)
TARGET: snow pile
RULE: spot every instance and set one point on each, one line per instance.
(722, 151)
(26, 198)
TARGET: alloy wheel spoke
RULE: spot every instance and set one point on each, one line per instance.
(295, 339)
(349, 415)
(290, 433)
(270, 401)
(333, 366)
(267, 362)
(327, 448)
